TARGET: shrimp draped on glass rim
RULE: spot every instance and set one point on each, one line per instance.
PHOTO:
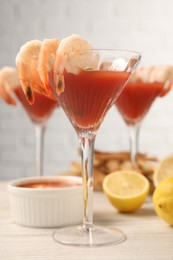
(8, 81)
(41, 64)
(33, 62)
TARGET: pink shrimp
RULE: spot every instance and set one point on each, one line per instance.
(26, 62)
(74, 53)
(46, 60)
(8, 81)
(33, 61)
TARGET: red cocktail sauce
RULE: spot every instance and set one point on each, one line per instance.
(49, 184)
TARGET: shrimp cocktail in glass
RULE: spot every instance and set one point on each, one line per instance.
(39, 112)
(145, 85)
(86, 83)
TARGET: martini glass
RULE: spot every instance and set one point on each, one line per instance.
(88, 95)
(39, 113)
(136, 100)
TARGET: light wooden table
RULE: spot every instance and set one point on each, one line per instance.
(148, 237)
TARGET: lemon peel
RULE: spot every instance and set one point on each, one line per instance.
(163, 200)
(164, 170)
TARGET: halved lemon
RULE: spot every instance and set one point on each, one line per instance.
(164, 170)
(126, 190)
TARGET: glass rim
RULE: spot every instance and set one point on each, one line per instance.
(118, 50)
(159, 67)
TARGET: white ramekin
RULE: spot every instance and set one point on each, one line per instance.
(48, 207)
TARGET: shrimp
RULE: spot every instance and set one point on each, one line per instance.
(46, 60)
(158, 73)
(142, 74)
(26, 62)
(8, 81)
(73, 53)
(163, 73)
(33, 61)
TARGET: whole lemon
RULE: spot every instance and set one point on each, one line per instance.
(163, 200)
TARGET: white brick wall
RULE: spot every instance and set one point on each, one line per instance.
(144, 26)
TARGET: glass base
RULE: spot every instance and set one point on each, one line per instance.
(92, 237)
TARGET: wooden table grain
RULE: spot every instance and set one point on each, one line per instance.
(148, 237)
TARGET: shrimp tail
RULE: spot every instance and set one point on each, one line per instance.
(8, 81)
(29, 95)
(25, 83)
(59, 66)
(59, 83)
(5, 94)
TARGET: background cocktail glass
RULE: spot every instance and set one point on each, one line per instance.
(136, 99)
(39, 113)
(87, 97)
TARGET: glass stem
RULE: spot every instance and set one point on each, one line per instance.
(39, 139)
(134, 131)
(138, 128)
(87, 146)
